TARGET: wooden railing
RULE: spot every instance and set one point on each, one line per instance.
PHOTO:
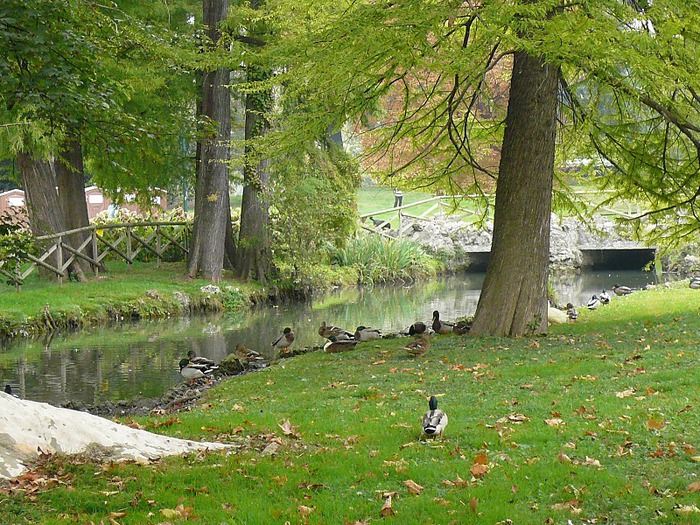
(627, 210)
(58, 254)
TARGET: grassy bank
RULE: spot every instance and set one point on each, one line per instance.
(595, 423)
(145, 291)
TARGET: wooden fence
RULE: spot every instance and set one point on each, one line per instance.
(58, 255)
(628, 210)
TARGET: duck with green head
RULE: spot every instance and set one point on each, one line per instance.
(434, 420)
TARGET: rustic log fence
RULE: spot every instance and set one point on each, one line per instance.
(161, 237)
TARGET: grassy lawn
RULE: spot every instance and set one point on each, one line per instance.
(119, 287)
(595, 423)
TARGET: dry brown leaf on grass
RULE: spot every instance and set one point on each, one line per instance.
(686, 509)
(178, 512)
(694, 487)
(413, 487)
(304, 511)
(555, 422)
(625, 393)
(459, 483)
(387, 509)
(655, 424)
(289, 430)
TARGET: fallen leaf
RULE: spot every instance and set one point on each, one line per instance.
(387, 510)
(625, 393)
(478, 470)
(686, 509)
(473, 504)
(563, 458)
(655, 424)
(481, 459)
(304, 510)
(413, 487)
(694, 487)
(380, 362)
(555, 422)
(289, 430)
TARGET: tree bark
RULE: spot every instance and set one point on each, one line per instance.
(212, 201)
(254, 257)
(70, 179)
(43, 209)
(513, 299)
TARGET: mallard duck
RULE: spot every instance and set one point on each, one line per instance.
(571, 312)
(604, 297)
(284, 340)
(418, 347)
(434, 420)
(593, 303)
(621, 290)
(246, 355)
(335, 345)
(8, 390)
(441, 327)
(193, 372)
(417, 328)
(694, 283)
(334, 331)
(196, 360)
(462, 327)
(367, 333)
(380, 223)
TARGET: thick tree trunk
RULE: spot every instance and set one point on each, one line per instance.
(212, 202)
(70, 177)
(513, 299)
(43, 209)
(254, 258)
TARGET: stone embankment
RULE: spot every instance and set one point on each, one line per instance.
(460, 243)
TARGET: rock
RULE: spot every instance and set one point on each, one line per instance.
(28, 428)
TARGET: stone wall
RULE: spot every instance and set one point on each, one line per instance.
(454, 240)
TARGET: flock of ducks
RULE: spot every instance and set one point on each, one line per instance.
(434, 421)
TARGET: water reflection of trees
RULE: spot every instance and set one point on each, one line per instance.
(131, 361)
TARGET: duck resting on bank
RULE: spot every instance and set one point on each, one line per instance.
(367, 333)
(328, 331)
(621, 290)
(604, 297)
(594, 303)
(441, 327)
(190, 371)
(571, 312)
(335, 345)
(418, 347)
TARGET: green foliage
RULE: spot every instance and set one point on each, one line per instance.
(313, 200)
(380, 260)
(16, 242)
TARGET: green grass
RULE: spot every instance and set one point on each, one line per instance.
(595, 423)
(119, 291)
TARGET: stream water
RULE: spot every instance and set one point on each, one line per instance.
(140, 360)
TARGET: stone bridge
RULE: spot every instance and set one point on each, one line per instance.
(574, 244)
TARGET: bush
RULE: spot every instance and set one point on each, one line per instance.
(379, 260)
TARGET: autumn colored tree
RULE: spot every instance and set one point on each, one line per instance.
(584, 82)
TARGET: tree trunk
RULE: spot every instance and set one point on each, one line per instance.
(513, 298)
(254, 258)
(212, 202)
(70, 178)
(43, 209)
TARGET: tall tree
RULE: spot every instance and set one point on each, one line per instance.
(212, 206)
(430, 74)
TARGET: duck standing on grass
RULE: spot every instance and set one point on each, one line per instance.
(594, 303)
(434, 420)
(285, 340)
(441, 327)
(571, 312)
(694, 283)
(604, 297)
(367, 333)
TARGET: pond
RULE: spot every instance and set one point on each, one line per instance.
(140, 360)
